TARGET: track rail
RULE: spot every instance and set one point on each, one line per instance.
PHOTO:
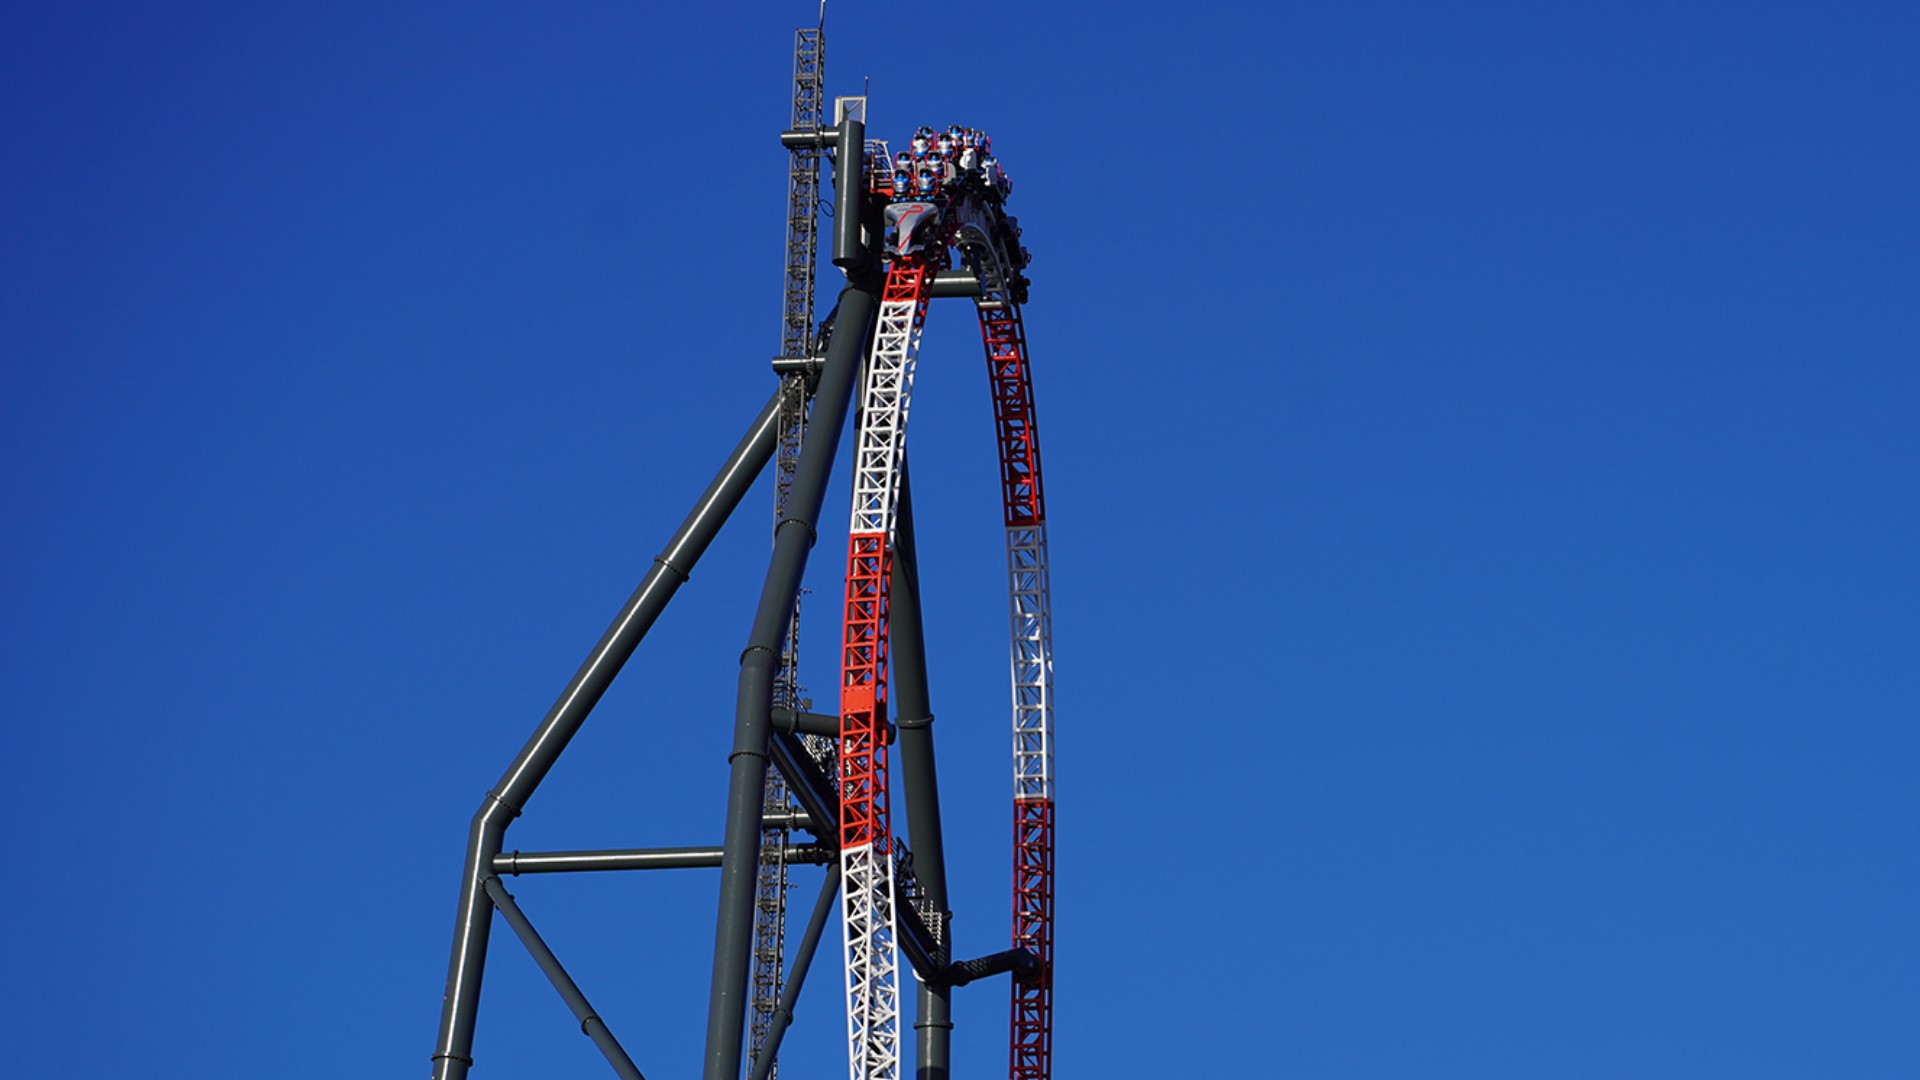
(866, 866)
(1030, 1041)
(968, 219)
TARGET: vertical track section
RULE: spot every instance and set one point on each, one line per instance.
(796, 343)
(867, 905)
(1017, 437)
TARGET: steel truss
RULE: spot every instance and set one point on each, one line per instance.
(830, 775)
(1029, 601)
(796, 347)
(866, 838)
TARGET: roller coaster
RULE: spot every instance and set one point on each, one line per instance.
(805, 787)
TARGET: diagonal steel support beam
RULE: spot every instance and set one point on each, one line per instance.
(590, 1023)
(460, 1008)
(802, 960)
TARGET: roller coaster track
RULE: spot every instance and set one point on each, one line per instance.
(944, 234)
(973, 224)
(1030, 1047)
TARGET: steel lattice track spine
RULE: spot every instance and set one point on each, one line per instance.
(1030, 1052)
(872, 959)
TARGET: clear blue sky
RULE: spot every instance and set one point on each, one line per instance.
(1481, 457)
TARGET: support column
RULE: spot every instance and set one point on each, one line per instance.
(792, 540)
(913, 712)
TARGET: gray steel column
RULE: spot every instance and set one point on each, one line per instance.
(913, 712)
(792, 539)
(851, 250)
(473, 920)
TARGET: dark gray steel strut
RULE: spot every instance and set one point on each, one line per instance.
(793, 539)
(569, 862)
(802, 960)
(453, 1053)
(920, 782)
(590, 1023)
(1021, 962)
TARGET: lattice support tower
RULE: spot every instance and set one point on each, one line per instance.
(797, 343)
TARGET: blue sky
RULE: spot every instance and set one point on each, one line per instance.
(1480, 455)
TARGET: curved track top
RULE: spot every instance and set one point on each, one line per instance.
(955, 205)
